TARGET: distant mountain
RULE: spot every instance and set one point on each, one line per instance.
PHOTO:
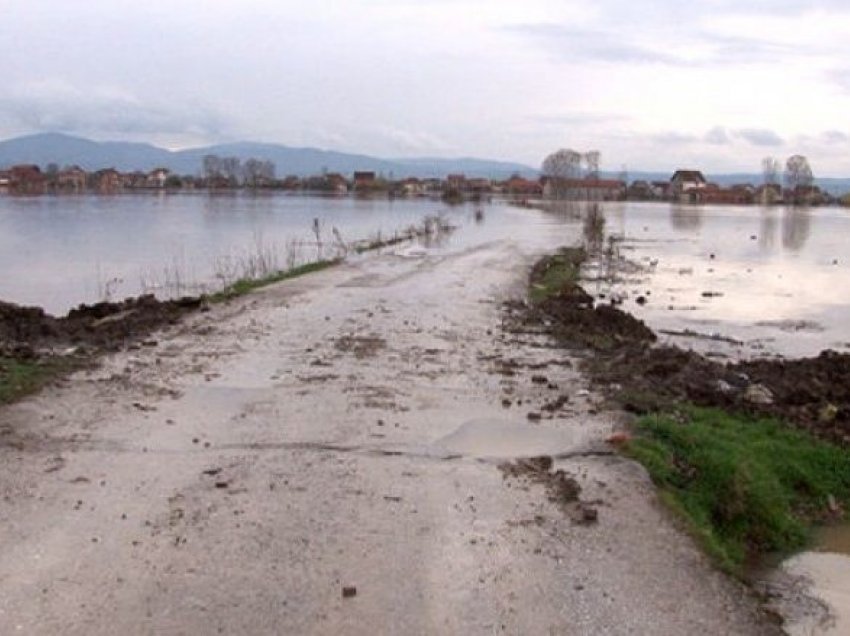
(64, 150)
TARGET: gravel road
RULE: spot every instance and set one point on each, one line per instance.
(328, 456)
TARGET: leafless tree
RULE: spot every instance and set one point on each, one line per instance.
(258, 172)
(798, 172)
(798, 179)
(770, 170)
(561, 166)
(231, 169)
(211, 166)
(591, 161)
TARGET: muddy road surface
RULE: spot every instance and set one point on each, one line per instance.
(343, 454)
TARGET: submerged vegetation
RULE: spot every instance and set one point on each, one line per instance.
(746, 487)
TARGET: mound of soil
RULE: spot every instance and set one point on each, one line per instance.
(103, 325)
(576, 319)
(811, 393)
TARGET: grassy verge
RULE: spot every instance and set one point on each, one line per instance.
(554, 273)
(21, 377)
(246, 285)
(745, 487)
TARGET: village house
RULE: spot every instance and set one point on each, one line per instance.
(27, 179)
(364, 180)
(479, 186)
(660, 190)
(290, 182)
(520, 186)
(71, 179)
(411, 187)
(456, 182)
(5, 178)
(714, 194)
(685, 183)
(107, 181)
(640, 191)
(156, 178)
(585, 189)
(336, 183)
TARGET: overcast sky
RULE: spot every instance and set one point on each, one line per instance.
(711, 84)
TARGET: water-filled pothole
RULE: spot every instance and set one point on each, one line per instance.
(501, 440)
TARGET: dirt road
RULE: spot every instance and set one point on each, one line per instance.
(323, 458)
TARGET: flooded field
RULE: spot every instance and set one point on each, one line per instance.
(57, 252)
(737, 281)
(725, 280)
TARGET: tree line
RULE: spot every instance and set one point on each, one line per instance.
(233, 172)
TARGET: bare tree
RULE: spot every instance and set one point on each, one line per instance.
(211, 166)
(798, 176)
(231, 169)
(591, 161)
(770, 170)
(560, 167)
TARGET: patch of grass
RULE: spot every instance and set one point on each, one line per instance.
(21, 377)
(746, 487)
(554, 273)
(246, 285)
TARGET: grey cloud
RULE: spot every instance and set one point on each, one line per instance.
(672, 137)
(587, 44)
(578, 119)
(760, 136)
(718, 136)
(835, 137)
(616, 44)
(60, 107)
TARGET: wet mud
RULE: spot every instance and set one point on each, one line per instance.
(619, 354)
(30, 331)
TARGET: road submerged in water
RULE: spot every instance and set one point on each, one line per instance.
(346, 452)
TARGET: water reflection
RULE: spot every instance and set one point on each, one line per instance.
(796, 227)
(686, 217)
(593, 229)
(767, 228)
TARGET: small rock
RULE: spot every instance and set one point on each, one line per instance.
(589, 515)
(534, 416)
(758, 394)
(222, 484)
(349, 591)
(641, 300)
(724, 387)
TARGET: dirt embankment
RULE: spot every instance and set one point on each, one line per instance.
(622, 358)
(30, 332)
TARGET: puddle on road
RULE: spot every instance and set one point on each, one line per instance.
(830, 576)
(504, 440)
(834, 539)
(827, 567)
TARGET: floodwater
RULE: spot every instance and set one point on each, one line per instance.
(740, 281)
(57, 252)
(729, 280)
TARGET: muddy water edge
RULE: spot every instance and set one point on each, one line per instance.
(624, 360)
